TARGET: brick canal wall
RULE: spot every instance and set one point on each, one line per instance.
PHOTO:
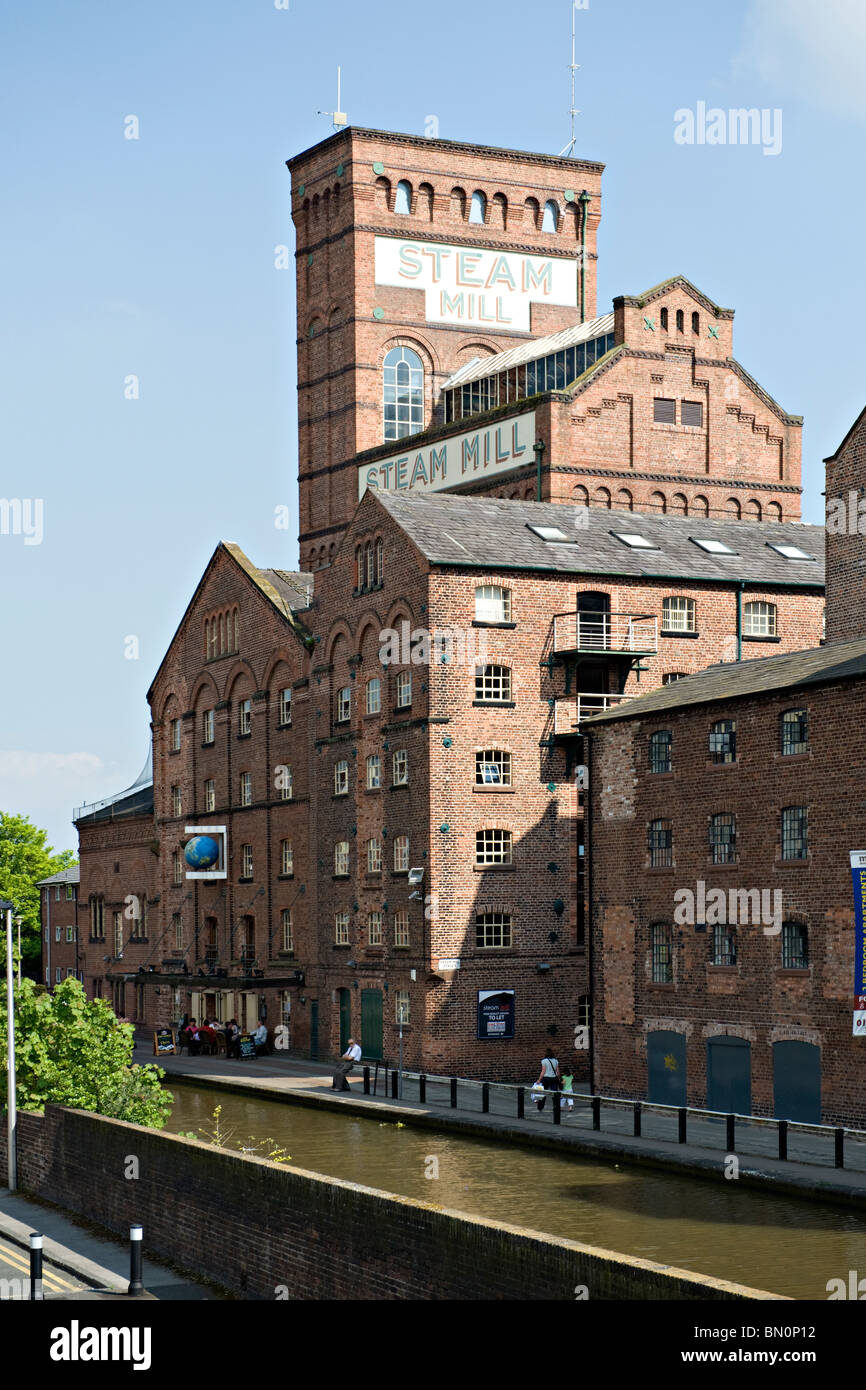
(264, 1231)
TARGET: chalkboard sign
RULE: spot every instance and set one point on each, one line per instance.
(247, 1046)
(163, 1041)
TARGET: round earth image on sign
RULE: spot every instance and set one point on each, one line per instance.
(203, 852)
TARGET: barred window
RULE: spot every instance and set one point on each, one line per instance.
(493, 846)
(245, 717)
(795, 832)
(341, 778)
(247, 861)
(660, 751)
(374, 772)
(401, 1000)
(724, 948)
(210, 794)
(288, 931)
(401, 854)
(246, 789)
(493, 768)
(374, 928)
(492, 929)
(661, 954)
(678, 614)
(759, 619)
(374, 695)
(404, 689)
(207, 726)
(344, 704)
(175, 735)
(723, 741)
(795, 731)
(341, 928)
(660, 843)
(400, 768)
(176, 803)
(723, 838)
(176, 867)
(493, 684)
(401, 928)
(492, 604)
(287, 857)
(286, 705)
(341, 858)
(374, 856)
(795, 946)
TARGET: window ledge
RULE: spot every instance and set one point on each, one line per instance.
(372, 791)
(798, 971)
(492, 787)
(342, 946)
(676, 632)
(493, 868)
(492, 622)
(209, 743)
(793, 863)
(659, 868)
(341, 877)
(245, 880)
(399, 787)
(494, 704)
(729, 864)
(747, 638)
(723, 969)
(285, 878)
(660, 984)
(242, 736)
(285, 726)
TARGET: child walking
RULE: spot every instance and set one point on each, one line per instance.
(568, 1088)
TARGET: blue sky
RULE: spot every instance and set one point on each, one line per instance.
(155, 258)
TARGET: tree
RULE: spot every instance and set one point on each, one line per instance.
(25, 858)
(71, 1050)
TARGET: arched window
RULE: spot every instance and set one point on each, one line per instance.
(580, 495)
(658, 502)
(774, 511)
(602, 497)
(378, 567)
(360, 568)
(478, 207)
(531, 210)
(681, 326)
(678, 614)
(383, 193)
(679, 505)
(664, 320)
(499, 211)
(753, 509)
(222, 634)
(403, 198)
(696, 323)
(424, 204)
(403, 380)
(550, 220)
(458, 203)
(732, 507)
(625, 500)
(759, 619)
(700, 506)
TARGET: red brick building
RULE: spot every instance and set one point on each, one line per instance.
(402, 826)
(59, 912)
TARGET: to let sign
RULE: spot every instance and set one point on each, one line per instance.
(495, 1013)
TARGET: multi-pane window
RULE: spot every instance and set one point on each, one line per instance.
(177, 930)
(401, 854)
(246, 789)
(374, 772)
(401, 928)
(341, 858)
(341, 928)
(176, 803)
(492, 604)
(70, 891)
(246, 861)
(661, 954)
(670, 676)
(492, 768)
(70, 932)
(400, 768)
(97, 918)
(492, 929)
(493, 683)
(286, 783)
(723, 838)
(660, 751)
(245, 717)
(759, 619)
(664, 411)
(403, 387)
(660, 841)
(795, 832)
(678, 614)
(287, 857)
(795, 946)
(207, 726)
(118, 933)
(404, 689)
(374, 856)
(374, 695)
(288, 931)
(795, 731)
(724, 948)
(401, 1000)
(175, 735)
(176, 867)
(723, 741)
(286, 705)
(210, 794)
(341, 778)
(374, 928)
(344, 703)
(493, 846)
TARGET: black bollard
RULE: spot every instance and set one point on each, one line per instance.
(136, 1235)
(422, 1089)
(366, 1081)
(557, 1107)
(521, 1099)
(637, 1119)
(395, 1079)
(839, 1136)
(36, 1267)
(596, 1112)
(681, 1127)
(485, 1097)
(454, 1093)
(731, 1121)
(783, 1138)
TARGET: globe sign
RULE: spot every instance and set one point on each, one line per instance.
(202, 852)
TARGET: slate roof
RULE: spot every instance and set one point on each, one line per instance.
(736, 679)
(492, 533)
(72, 875)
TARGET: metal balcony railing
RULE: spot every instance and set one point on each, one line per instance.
(605, 632)
(570, 710)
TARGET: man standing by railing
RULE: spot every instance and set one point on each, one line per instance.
(345, 1065)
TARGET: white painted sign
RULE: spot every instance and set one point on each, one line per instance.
(452, 963)
(476, 286)
(458, 459)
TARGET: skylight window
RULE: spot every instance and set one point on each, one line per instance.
(635, 541)
(553, 533)
(712, 547)
(790, 552)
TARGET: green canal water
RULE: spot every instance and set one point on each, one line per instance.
(767, 1242)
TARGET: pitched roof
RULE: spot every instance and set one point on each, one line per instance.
(71, 875)
(736, 679)
(493, 533)
(481, 367)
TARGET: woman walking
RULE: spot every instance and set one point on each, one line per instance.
(548, 1076)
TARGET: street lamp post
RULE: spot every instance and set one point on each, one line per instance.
(12, 1114)
(18, 925)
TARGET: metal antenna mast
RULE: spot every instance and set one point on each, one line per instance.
(338, 117)
(573, 111)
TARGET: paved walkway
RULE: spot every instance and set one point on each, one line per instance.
(809, 1167)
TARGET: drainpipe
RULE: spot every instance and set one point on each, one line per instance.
(538, 450)
(740, 588)
(587, 884)
(584, 202)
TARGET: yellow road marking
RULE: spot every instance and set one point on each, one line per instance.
(50, 1278)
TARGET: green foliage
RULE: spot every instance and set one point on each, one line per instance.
(222, 1138)
(71, 1050)
(25, 858)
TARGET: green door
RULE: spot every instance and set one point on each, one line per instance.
(345, 1019)
(371, 1022)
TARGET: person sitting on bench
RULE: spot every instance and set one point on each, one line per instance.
(345, 1065)
(260, 1038)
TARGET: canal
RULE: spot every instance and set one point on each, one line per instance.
(778, 1243)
